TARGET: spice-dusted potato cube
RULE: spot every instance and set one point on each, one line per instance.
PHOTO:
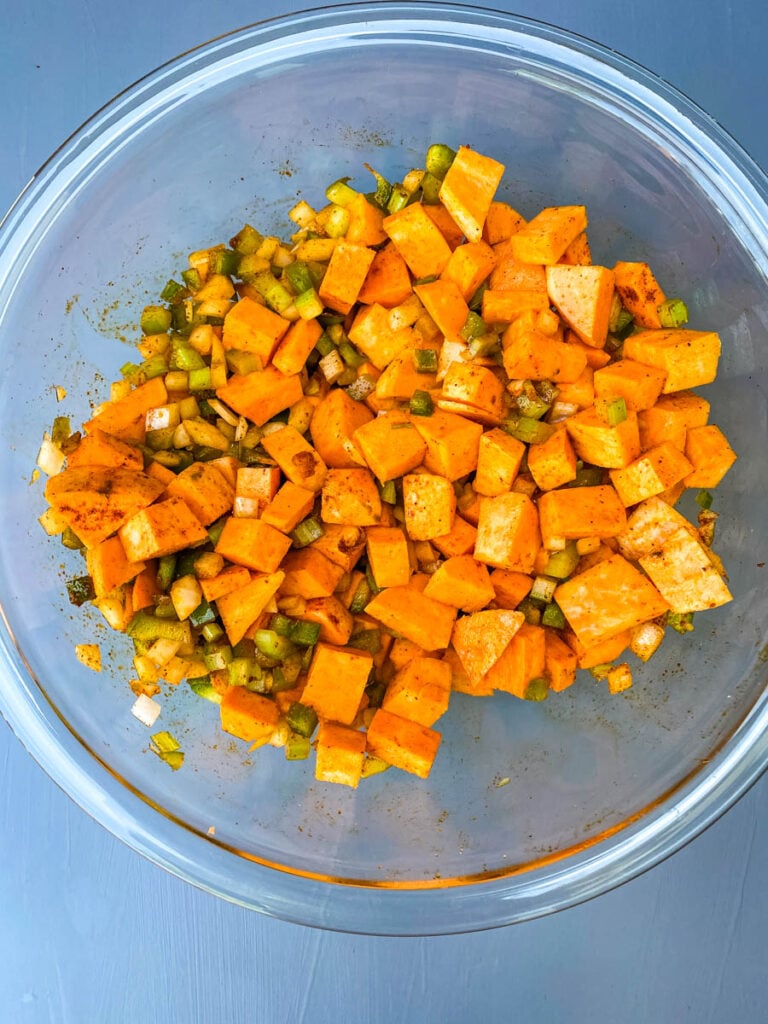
(601, 444)
(429, 503)
(420, 690)
(461, 582)
(251, 327)
(248, 716)
(388, 555)
(334, 422)
(240, 608)
(206, 491)
(689, 357)
(508, 532)
(402, 743)
(452, 443)
(707, 448)
(350, 497)
(685, 575)
(300, 462)
(409, 612)
(336, 682)
(252, 543)
(161, 529)
(339, 754)
(651, 473)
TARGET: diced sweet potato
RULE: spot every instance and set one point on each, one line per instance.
(342, 545)
(100, 449)
(523, 659)
(232, 578)
(364, 222)
(639, 385)
(446, 305)
(710, 455)
(95, 501)
(468, 190)
(420, 690)
(553, 462)
(429, 504)
(671, 417)
(607, 599)
(344, 277)
(648, 528)
(380, 335)
(252, 543)
(639, 291)
(651, 473)
(582, 296)
(289, 506)
(452, 443)
(401, 742)
(508, 532)
(261, 395)
(401, 378)
(685, 575)
(248, 716)
(410, 613)
(255, 488)
(501, 222)
(300, 462)
(339, 754)
(499, 458)
(388, 282)
(529, 353)
(292, 351)
(460, 540)
(418, 240)
(461, 582)
(545, 238)
(689, 357)
(250, 327)
(205, 490)
(601, 444)
(308, 574)
(388, 555)
(161, 529)
(573, 512)
(334, 422)
(469, 265)
(108, 567)
(336, 622)
(475, 390)
(118, 418)
(510, 587)
(480, 638)
(336, 682)
(350, 497)
(391, 445)
(560, 663)
(601, 652)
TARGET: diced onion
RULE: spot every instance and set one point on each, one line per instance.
(146, 710)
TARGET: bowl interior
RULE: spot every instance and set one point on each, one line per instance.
(237, 135)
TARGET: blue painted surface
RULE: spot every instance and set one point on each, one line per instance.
(90, 932)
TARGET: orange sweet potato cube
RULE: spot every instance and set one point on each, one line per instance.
(639, 385)
(248, 716)
(607, 599)
(429, 504)
(161, 529)
(601, 652)
(446, 305)
(573, 512)
(649, 526)
(339, 754)
(409, 612)
(255, 488)
(560, 662)
(108, 566)
(651, 473)
(391, 445)
(477, 390)
(401, 742)
(499, 458)
(289, 506)
(420, 690)
(378, 337)
(100, 449)
(639, 291)
(350, 497)
(460, 681)
(294, 347)
(461, 582)
(401, 378)
(480, 639)
(582, 296)
(501, 222)
(364, 222)
(508, 532)
(206, 491)
(300, 462)
(251, 327)
(510, 587)
(468, 189)
(553, 462)
(252, 543)
(469, 265)
(233, 577)
(688, 357)
(309, 574)
(418, 240)
(670, 418)
(119, 418)
(545, 238)
(336, 682)
(685, 575)
(460, 540)
(388, 555)
(95, 501)
(342, 545)
(334, 422)
(578, 253)
(344, 277)
(523, 659)
(388, 282)
(241, 608)
(452, 443)
(601, 444)
(503, 305)
(530, 353)
(335, 621)
(710, 455)
(261, 395)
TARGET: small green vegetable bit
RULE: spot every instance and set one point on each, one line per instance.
(673, 313)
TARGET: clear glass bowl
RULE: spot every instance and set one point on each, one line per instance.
(599, 788)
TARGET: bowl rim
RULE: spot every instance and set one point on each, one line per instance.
(506, 896)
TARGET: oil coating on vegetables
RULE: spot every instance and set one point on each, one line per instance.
(422, 446)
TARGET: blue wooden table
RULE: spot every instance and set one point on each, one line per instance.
(90, 933)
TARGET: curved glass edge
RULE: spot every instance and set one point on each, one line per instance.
(484, 904)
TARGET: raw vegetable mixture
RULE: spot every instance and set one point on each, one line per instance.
(421, 446)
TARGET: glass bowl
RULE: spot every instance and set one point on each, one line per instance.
(530, 807)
